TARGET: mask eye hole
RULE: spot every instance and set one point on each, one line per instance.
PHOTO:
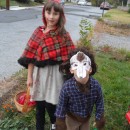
(85, 63)
(75, 65)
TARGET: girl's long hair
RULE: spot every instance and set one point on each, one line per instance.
(58, 8)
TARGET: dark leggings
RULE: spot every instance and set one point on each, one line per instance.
(40, 113)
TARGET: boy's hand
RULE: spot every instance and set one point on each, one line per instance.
(60, 124)
(100, 123)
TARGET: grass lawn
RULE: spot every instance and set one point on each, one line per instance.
(118, 15)
(15, 3)
(114, 77)
(12, 3)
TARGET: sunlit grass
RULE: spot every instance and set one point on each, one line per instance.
(114, 77)
(118, 15)
(12, 3)
(15, 3)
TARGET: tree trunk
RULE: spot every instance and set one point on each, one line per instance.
(7, 4)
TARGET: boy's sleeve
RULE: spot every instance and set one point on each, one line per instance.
(29, 54)
(100, 120)
(61, 110)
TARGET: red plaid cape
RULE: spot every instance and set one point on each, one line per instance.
(43, 49)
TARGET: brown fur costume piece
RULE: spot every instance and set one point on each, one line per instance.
(60, 124)
(84, 88)
(100, 123)
(80, 56)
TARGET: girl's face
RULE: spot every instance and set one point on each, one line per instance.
(52, 17)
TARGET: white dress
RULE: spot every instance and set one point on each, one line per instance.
(47, 83)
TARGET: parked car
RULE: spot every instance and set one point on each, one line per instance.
(82, 2)
(89, 3)
(105, 5)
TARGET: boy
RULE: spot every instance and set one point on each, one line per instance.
(79, 94)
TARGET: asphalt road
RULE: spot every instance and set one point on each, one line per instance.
(16, 26)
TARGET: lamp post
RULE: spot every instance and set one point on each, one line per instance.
(7, 4)
(103, 8)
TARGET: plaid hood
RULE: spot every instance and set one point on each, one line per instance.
(46, 49)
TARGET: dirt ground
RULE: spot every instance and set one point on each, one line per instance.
(118, 31)
(12, 86)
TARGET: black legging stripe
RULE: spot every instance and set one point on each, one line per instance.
(40, 113)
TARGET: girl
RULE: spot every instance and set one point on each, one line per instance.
(47, 48)
(79, 94)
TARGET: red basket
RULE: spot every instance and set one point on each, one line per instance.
(26, 105)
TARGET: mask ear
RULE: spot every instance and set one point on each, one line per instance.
(71, 71)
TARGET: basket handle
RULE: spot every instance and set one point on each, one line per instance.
(27, 98)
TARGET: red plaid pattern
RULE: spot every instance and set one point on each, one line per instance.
(50, 46)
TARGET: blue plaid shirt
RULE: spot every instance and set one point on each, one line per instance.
(72, 100)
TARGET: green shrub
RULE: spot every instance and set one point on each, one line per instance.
(39, 1)
(107, 15)
(129, 10)
(23, 1)
(100, 19)
(128, 56)
(13, 120)
(86, 33)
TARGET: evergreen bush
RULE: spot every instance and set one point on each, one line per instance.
(129, 8)
(23, 1)
(39, 1)
(86, 33)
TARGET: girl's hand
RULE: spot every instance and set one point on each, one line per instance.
(29, 82)
(30, 75)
